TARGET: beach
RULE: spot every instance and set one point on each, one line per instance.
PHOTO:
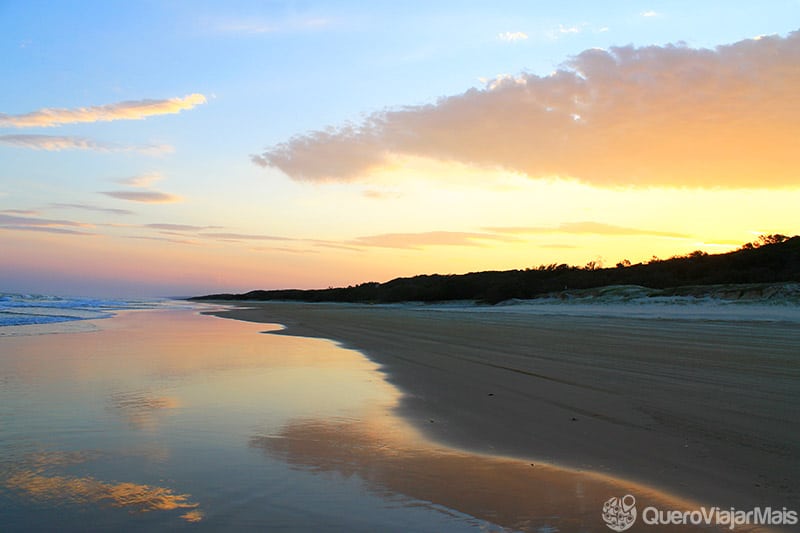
(702, 409)
(393, 418)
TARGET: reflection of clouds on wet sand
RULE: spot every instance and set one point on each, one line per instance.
(85, 490)
(511, 493)
(34, 480)
(141, 409)
(41, 460)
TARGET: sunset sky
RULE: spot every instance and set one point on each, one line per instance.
(184, 147)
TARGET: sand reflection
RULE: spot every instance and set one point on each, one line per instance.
(508, 492)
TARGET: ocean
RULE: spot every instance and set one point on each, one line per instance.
(32, 314)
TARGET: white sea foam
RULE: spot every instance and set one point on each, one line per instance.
(33, 314)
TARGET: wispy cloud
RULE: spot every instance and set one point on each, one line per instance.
(337, 246)
(55, 143)
(375, 194)
(6, 219)
(61, 231)
(179, 227)
(24, 212)
(653, 116)
(24, 223)
(596, 228)
(512, 36)
(566, 30)
(130, 110)
(243, 237)
(563, 31)
(144, 196)
(163, 239)
(489, 235)
(141, 180)
(650, 14)
(87, 207)
(429, 238)
(184, 231)
(303, 251)
(147, 197)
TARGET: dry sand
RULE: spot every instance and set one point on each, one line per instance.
(705, 410)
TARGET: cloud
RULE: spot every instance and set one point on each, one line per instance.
(283, 250)
(141, 180)
(374, 194)
(335, 155)
(244, 237)
(52, 142)
(650, 14)
(493, 234)
(6, 219)
(130, 110)
(147, 197)
(55, 143)
(20, 211)
(163, 239)
(595, 228)
(337, 246)
(430, 238)
(179, 227)
(512, 36)
(61, 231)
(652, 116)
(564, 30)
(12, 222)
(87, 207)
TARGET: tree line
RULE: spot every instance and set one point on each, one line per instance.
(770, 259)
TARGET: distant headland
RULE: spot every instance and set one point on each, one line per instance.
(769, 260)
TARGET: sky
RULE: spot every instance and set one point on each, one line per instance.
(178, 147)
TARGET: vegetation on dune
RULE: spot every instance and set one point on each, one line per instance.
(770, 259)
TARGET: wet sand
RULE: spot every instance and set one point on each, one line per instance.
(704, 410)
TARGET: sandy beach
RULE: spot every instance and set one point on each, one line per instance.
(705, 410)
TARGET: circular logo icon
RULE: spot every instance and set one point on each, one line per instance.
(620, 513)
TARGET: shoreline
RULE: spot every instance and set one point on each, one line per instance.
(703, 410)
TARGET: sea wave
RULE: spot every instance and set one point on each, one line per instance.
(36, 309)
